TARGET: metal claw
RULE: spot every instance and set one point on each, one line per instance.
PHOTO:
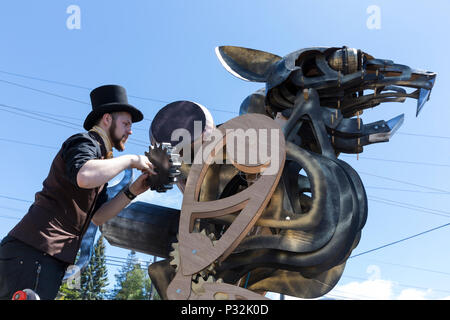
(392, 125)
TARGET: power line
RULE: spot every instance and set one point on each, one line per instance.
(31, 117)
(423, 135)
(410, 267)
(402, 161)
(410, 206)
(406, 207)
(16, 199)
(68, 124)
(28, 143)
(404, 182)
(9, 217)
(39, 114)
(12, 209)
(398, 241)
(85, 88)
(406, 190)
(45, 92)
(44, 80)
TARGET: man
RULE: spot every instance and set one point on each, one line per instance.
(37, 251)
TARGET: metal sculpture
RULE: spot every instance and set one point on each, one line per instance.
(308, 216)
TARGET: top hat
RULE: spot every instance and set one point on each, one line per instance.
(180, 115)
(107, 99)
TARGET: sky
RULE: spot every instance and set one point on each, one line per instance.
(163, 51)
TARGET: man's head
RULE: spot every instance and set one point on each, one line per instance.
(118, 127)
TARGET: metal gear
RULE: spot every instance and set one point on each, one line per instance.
(205, 275)
(166, 163)
(197, 286)
(175, 254)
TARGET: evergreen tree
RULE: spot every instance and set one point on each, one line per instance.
(132, 282)
(66, 293)
(94, 278)
(101, 272)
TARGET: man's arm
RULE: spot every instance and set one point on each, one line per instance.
(97, 172)
(112, 208)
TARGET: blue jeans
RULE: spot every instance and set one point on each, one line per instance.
(24, 267)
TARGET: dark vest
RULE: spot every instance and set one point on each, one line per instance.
(61, 212)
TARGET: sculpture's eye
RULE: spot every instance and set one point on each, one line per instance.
(346, 60)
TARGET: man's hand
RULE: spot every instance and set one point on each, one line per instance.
(143, 164)
(140, 184)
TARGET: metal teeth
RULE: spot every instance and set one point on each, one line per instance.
(175, 164)
(197, 287)
(173, 172)
(175, 254)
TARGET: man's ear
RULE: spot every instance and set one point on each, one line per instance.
(106, 119)
(247, 64)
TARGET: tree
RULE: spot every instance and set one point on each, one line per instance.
(94, 278)
(132, 282)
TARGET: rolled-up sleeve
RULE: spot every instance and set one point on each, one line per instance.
(76, 151)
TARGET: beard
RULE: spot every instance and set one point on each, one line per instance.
(117, 142)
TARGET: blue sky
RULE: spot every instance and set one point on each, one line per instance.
(163, 51)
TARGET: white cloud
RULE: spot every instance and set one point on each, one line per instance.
(414, 294)
(376, 289)
(373, 289)
(380, 289)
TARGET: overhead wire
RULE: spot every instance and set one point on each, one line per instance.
(410, 206)
(85, 88)
(402, 161)
(409, 266)
(66, 124)
(403, 182)
(401, 240)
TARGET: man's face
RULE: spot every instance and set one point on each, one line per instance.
(120, 129)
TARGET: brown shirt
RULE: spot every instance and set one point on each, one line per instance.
(62, 211)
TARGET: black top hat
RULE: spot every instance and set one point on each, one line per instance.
(107, 99)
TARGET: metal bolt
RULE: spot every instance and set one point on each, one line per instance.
(305, 94)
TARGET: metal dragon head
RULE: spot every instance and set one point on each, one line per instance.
(346, 80)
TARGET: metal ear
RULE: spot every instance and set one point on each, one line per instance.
(247, 64)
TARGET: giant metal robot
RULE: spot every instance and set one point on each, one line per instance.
(241, 233)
